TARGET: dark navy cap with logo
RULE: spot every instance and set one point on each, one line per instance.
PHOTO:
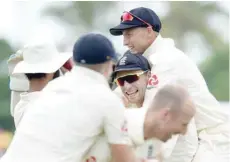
(138, 17)
(93, 49)
(131, 61)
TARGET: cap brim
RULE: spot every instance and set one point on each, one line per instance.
(123, 69)
(118, 30)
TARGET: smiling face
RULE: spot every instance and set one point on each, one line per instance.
(138, 39)
(134, 85)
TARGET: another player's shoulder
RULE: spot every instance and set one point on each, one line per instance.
(175, 59)
(109, 99)
(177, 56)
(108, 94)
(27, 97)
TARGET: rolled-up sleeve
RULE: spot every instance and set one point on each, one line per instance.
(135, 118)
(115, 124)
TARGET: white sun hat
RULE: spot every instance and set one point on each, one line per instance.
(41, 57)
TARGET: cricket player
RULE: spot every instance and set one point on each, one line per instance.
(133, 83)
(63, 123)
(141, 28)
(23, 70)
(29, 97)
(132, 73)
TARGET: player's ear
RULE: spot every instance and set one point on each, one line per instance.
(150, 31)
(149, 28)
(165, 114)
(149, 74)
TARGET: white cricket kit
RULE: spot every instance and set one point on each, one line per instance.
(67, 119)
(18, 82)
(174, 149)
(100, 152)
(169, 66)
(21, 107)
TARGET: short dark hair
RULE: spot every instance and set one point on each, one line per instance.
(56, 74)
(31, 76)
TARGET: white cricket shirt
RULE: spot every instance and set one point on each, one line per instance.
(67, 119)
(169, 66)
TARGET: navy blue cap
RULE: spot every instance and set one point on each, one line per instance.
(93, 49)
(131, 62)
(143, 13)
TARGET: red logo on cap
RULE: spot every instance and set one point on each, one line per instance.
(127, 17)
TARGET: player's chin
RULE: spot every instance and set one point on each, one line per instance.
(133, 51)
(164, 140)
(167, 138)
(133, 98)
(133, 101)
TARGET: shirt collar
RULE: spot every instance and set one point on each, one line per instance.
(152, 50)
(156, 50)
(84, 72)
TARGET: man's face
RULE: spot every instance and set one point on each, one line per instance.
(136, 39)
(134, 90)
(173, 123)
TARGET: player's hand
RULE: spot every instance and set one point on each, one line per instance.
(14, 60)
(18, 82)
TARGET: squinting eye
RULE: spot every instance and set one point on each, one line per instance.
(129, 34)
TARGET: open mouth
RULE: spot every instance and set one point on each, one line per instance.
(132, 94)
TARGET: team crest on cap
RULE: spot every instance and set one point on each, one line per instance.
(123, 60)
(83, 61)
(108, 57)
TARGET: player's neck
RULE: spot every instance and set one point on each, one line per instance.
(135, 105)
(37, 85)
(139, 105)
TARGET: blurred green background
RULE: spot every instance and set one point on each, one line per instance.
(193, 25)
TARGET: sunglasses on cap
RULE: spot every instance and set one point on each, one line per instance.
(130, 78)
(127, 16)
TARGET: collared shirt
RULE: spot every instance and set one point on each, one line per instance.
(67, 119)
(172, 66)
